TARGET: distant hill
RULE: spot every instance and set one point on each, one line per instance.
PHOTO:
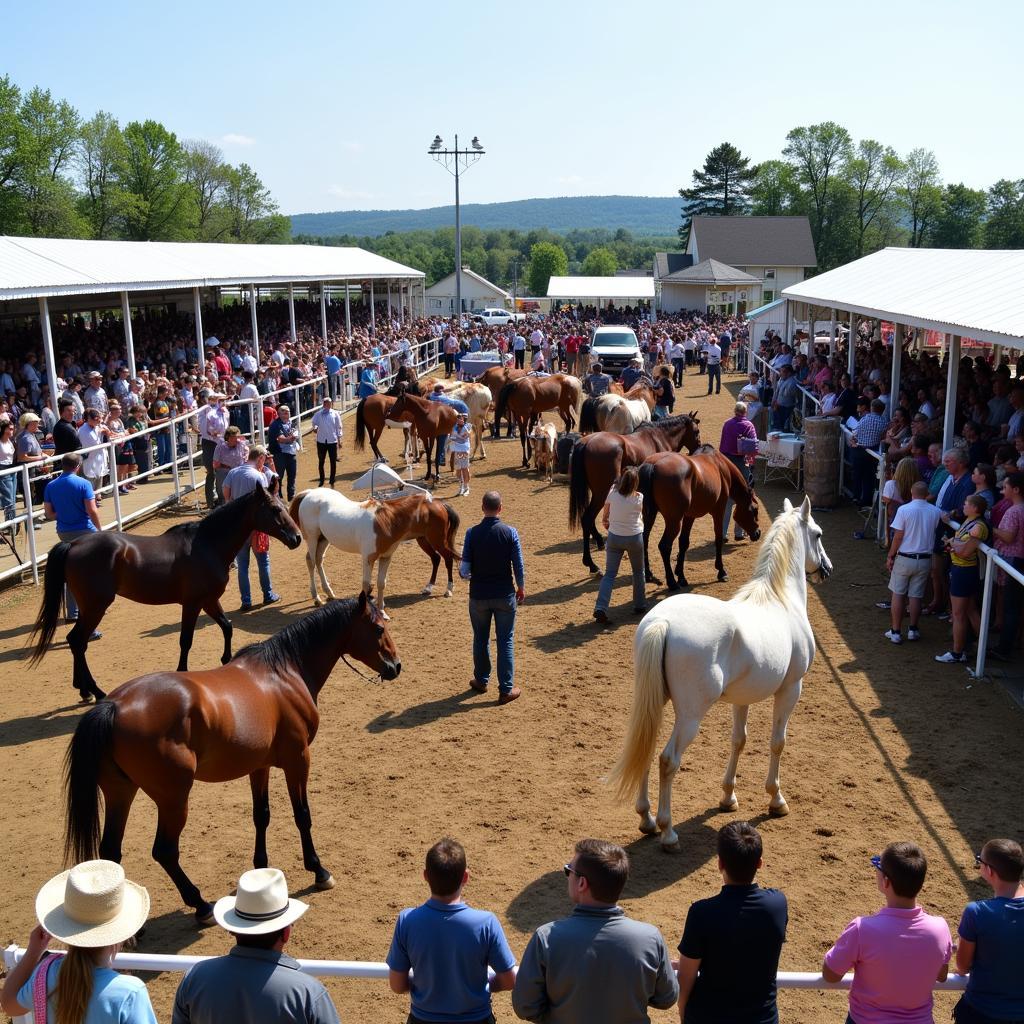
(642, 215)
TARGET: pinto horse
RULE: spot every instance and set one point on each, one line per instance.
(684, 488)
(373, 530)
(162, 733)
(598, 460)
(187, 565)
(621, 414)
(431, 419)
(526, 398)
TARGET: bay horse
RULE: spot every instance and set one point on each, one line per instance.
(373, 417)
(431, 419)
(526, 398)
(598, 460)
(684, 488)
(696, 650)
(494, 379)
(373, 530)
(163, 732)
(187, 565)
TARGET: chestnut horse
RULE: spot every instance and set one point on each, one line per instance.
(684, 488)
(431, 419)
(494, 380)
(187, 565)
(373, 416)
(526, 398)
(598, 460)
(162, 733)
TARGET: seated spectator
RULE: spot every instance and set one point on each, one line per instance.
(729, 952)
(991, 947)
(896, 954)
(448, 946)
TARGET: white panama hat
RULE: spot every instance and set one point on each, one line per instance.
(92, 905)
(261, 904)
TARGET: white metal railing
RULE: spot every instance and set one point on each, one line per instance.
(767, 370)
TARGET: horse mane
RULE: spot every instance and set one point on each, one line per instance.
(767, 584)
(216, 520)
(289, 647)
(668, 421)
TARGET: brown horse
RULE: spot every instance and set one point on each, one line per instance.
(162, 733)
(526, 398)
(495, 379)
(432, 419)
(599, 459)
(187, 565)
(372, 416)
(684, 488)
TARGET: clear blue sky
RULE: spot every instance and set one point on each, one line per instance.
(335, 111)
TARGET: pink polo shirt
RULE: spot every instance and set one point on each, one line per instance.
(896, 956)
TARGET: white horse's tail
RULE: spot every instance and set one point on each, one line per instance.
(645, 718)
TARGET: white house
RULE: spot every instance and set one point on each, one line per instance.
(477, 293)
(708, 286)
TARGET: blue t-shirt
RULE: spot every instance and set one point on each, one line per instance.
(115, 997)
(68, 495)
(995, 986)
(448, 947)
(333, 364)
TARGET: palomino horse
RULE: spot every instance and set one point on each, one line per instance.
(544, 438)
(162, 733)
(494, 380)
(599, 459)
(431, 419)
(528, 397)
(187, 565)
(617, 413)
(373, 530)
(684, 488)
(373, 416)
(697, 650)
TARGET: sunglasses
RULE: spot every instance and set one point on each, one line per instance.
(876, 863)
(978, 861)
(572, 871)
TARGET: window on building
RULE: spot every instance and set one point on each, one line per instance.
(769, 275)
(767, 296)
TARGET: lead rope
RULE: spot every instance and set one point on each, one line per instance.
(368, 679)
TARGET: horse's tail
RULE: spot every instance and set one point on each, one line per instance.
(453, 528)
(293, 508)
(503, 397)
(360, 426)
(645, 717)
(579, 492)
(53, 593)
(87, 751)
(646, 488)
(588, 416)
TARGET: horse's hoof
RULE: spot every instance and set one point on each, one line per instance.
(672, 847)
(648, 827)
(731, 804)
(674, 585)
(384, 615)
(325, 884)
(447, 593)
(427, 590)
(204, 915)
(778, 812)
(593, 568)
(723, 576)
(85, 697)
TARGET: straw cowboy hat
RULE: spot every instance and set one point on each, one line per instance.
(92, 905)
(261, 904)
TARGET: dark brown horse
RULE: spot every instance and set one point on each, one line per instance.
(431, 419)
(164, 732)
(526, 398)
(372, 415)
(684, 488)
(494, 380)
(186, 565)
(599, 459)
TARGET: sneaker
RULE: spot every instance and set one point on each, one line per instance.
(272, 598)
(506, 698)
(245, 606)
(951, 658)
(913, 634)
(884, 605)
(892, 636)
(944, 616)
(465, 493)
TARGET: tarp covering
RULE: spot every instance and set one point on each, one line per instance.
(601, 288)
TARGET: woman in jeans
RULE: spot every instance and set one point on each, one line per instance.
(623, 518)
(9, 481)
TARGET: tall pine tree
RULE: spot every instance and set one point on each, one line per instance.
(721, 189)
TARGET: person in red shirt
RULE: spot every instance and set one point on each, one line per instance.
(572, 348)
(222, 363)
(269, 412)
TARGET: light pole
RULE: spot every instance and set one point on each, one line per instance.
(515, 281)
(455, 161)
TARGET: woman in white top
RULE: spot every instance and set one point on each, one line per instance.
(9, 481)
(458, 445)
(623, 518)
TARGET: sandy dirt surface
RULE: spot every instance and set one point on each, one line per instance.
(884, 744)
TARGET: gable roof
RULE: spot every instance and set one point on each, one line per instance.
(601, 288)
(755, 241)
(446, 286)
(666, 263)
(710, 272)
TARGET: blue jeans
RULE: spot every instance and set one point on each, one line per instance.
(163, 446)
(8, 494)
(740, 463)
(242, 565)
(781, 417)
(715, 377)
(503, 611)
(615, 547)
(442, 444)
(70, 604)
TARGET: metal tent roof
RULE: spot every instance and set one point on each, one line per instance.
(31, 267)
(601, 288)
(975, 293)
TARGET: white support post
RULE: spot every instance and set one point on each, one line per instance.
(129, 341)
(986, 615)
(389, 301)
(897, 360)
(255, 325)
(51, 362)
(952, 375)
(323, 312)
(832, 335)
(787, 337)
(373, 314)
(348, 315)
(291, 313)
(851, 349)
(197, 313)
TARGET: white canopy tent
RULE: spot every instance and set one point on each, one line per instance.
(601, 288)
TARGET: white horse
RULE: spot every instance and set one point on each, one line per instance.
(697, 650)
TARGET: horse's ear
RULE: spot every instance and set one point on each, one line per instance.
(787, 505)
(362, 601)
(805, 509)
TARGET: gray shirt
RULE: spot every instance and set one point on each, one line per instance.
(251, 985)
(243, 480)
(596, 965)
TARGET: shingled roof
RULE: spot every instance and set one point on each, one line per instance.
(755, 241)
(710, 272)
(666, 263)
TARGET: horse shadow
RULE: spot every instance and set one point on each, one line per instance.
(428, 711)
(563, 592)
(565, 547)
(46, 726)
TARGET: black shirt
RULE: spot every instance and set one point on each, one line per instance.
(65, 438)
(737, 936)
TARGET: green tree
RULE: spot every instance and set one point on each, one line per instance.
(600, 262)
(873, 173)
(251, 210)
(775, 191)
(10, 155)
(1004, 227)
(920, 191)
(721, 188)
(547, 260)
(959, 221)
(101, 158)
(208, 177)
(154, 177)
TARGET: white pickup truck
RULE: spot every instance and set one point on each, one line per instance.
(497, 317)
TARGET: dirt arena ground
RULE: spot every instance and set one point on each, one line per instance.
(884, 744)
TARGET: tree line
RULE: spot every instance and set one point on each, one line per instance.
(859, 197)
(66, 177)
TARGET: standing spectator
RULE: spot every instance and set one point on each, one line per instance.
(451, 347)
(460, 448)
(597, 382)
(492, 559)
(367, 379)
(865, 438)
(327, 424)
(784, 399)
(596, 964)
(448, 946)
(572, 350)
(898, 953)
(1009, 538)
(519, 351)
(231, 452)
(252, 408)
(8, 480)
(896, 492)
(240, 481)
(212, 422)
(256, 981)
(743, 924)
(333, 366)
(632, 373)
(94, 395)
(124, 458)
(65, 433)
(991, 947)
(160, 413)
(964, 576)
(284, 443)
(142, 449)
(983, 476)
(623, 518)
(93, 909)
(93, 432)
(732, 430)
(677, 353)
(724, 345)
(664, 394)
(713, 362)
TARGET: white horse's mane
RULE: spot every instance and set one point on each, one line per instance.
(768, 583)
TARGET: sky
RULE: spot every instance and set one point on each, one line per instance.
(335, 104)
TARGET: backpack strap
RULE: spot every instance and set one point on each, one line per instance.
(39, 988)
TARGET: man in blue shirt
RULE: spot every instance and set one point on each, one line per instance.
(449, 946)
(333, 366)
(438, 395)
(491, 558)
(71, 501)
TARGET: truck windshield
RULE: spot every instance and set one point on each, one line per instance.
(615, 340)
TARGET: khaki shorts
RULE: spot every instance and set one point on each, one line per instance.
(910, 575)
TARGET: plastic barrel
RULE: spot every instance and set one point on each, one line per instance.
(821, 460)
(563, 451)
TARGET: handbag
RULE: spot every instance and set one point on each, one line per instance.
(39, 988)
(260, 542)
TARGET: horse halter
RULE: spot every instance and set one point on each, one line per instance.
(379, 678)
